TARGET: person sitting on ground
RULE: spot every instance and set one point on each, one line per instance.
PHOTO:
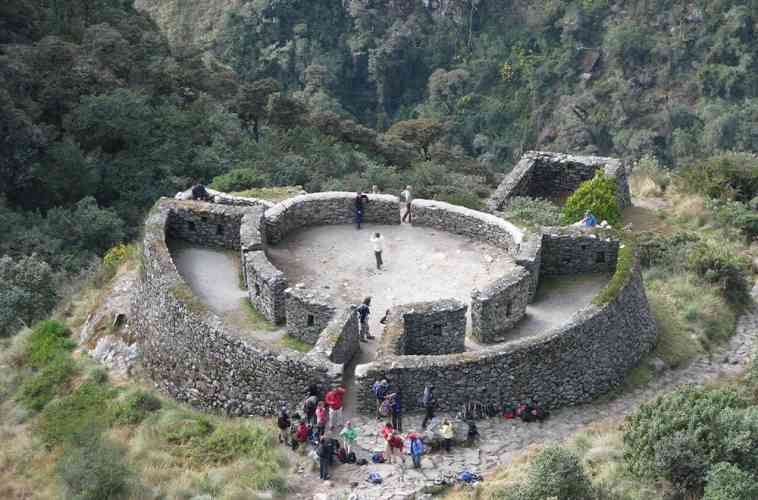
(378, 241)
(200, 193)
(348, 435)
(283, 422)
(333, 400)
(447, 431)
(416, 448)
(588, 220)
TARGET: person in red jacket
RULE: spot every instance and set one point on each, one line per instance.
(333, 400)
(302, 432)
(321, 418)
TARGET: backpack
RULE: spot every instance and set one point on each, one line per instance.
(374, 478)
(378, 458)
(341, 455)
(361, 462)
(283, 422)
(351, 458)
(385, 407)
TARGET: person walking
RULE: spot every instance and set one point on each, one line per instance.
(407, 197)
(349, 436)
(283, 422)
(363, 311)
(322, 417)
(361, 199)
(333, 400)
(302, 433)
(396, 410)
(416, 448)
(447, 431)
(324, 452)
(428, 403)
(378, 241)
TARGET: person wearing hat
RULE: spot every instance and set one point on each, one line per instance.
(348, 435)
(416, 448)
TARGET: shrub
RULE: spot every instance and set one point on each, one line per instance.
(727, 176)
(728, 482)
(532, 211)
(27, 293)
(666, 250)
(739, 215)
(48, 340)
(597, 195)
(81, 411)
(462, 199)
(718, 265)
(38, 390)
(554, 473)
(93, 469)
(239, 180)
(135, 407)
(668, 437)
(624, 269)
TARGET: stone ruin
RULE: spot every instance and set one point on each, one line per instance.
(191, 354)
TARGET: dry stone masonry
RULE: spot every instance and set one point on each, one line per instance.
(190, 354)
(540, 174)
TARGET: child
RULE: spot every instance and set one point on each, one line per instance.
(416, 448)
(348, 436)
(321, 418)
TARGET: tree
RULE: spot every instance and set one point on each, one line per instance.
(28, 292)
(284, 111)
(446, 88)
(251, 101)
(728, 482)
(421, 132)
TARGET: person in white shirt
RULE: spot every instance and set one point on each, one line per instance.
(407, 197)
(378, 241)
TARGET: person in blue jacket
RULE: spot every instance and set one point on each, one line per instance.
(416, 448)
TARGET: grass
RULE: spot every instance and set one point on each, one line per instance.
(624, 267)
(254, 319)
(184, 294)
(273, 194)
(294, 344)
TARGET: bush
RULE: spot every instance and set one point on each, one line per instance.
(48, 340)
(681, 435)
(624, 269)
(738, 215)
(93, 469)
(84, 410)
(727, 176)
(38, 390)
(27, 293)
(665, 250)
(239, 180)
(728, 482)
(718, 265)
(555, 473)
(133, 409)
(532, 211)
(461, 199)
(597, 195)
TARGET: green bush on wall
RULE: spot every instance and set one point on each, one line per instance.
(597, 195)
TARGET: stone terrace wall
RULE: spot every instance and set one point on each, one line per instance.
(529, 256)
(574, 250)
(308, 312)
(206, 223)
(497, 308)
(428, 328)
(190, 355)
(545, 175)
(466, 222)
(265, 286)
(572, 364)
(326, 208)
(339, 341)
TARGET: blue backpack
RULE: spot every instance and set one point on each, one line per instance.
(374, 478)
(378, 458)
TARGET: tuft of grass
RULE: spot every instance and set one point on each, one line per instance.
(638, 376)
(48, 340)
(254, 319)
(295, 344)
(37, 390)
(94, 469)
(273, 194)
(624, 268)
(184, 294)
(134, 408)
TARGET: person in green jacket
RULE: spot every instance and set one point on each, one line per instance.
(348, 436)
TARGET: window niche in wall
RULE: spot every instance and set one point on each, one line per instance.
(191, 225)
(311, 320)
(600, 257)
(219, 229)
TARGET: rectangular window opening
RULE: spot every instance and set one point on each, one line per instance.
(219, 229)
(190, 225)
(508, 309)
(311, 320)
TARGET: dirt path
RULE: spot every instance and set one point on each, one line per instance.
(502, 440)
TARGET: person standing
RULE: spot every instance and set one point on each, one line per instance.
(309, 409)
(446, 433)
(324, 452)
(348, 435)
(333, 400)
(396, 410)
(378, 241)
(416, 448)
(321, 418)
(375, 189)
(394, 447)
(407, 197)
(363, 311)
(427, 402)
(283, 422)
(380, 389)
(361, 199)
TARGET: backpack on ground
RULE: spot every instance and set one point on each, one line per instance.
(374, 478)
(361, 462)
(378, 458)
(342, 456)
(351, 458)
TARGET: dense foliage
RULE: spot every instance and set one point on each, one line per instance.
(597, 196)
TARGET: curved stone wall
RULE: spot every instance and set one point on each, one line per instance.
(496, 308)
(572, 364)
(326, 208)
(189, 353)
(540, 174)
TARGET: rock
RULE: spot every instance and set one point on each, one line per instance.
(658, 365)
